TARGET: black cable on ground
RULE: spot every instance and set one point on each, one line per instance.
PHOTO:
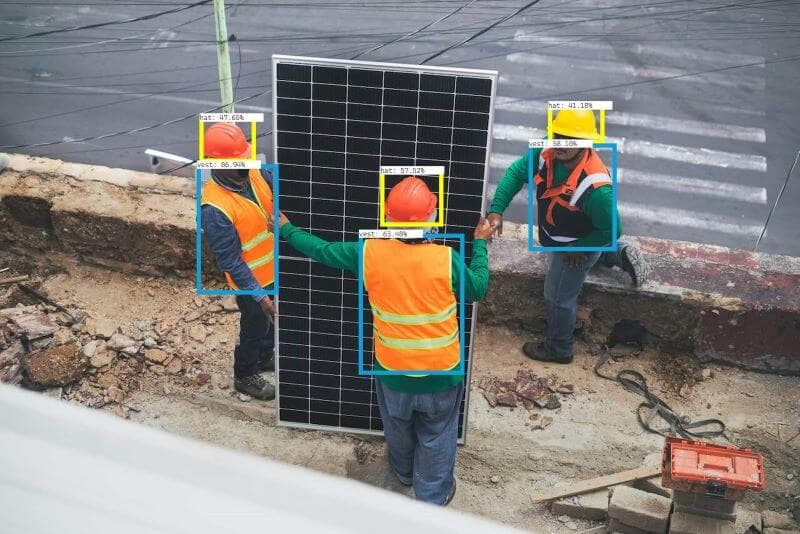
(777, 199)
(655, 408)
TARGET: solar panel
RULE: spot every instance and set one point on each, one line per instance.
(335, 124)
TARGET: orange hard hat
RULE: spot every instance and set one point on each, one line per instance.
(226, 140)
(410, 201)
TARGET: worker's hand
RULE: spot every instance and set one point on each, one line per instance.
(484, 230)
(573, 259)
(496, 221)
(282, 219)
(268, 307)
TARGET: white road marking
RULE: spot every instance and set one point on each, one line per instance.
(682, 53)
(110, 91)
(686, 219)
(696, 186)
(614, 67)
(696, 156)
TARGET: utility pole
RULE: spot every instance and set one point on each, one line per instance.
(223, 57)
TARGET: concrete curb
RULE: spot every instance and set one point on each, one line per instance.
(724, 305)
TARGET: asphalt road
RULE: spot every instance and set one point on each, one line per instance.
(705, 105)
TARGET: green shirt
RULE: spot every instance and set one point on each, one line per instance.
(345, 256)
(596, 203)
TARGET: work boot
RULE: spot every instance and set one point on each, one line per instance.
(538, 351)
(267, 364)
(255, 386)
(634, 264)
(452, 493)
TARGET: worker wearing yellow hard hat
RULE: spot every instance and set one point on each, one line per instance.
(412, 288)
(574, 208)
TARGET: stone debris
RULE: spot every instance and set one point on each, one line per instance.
(745, 519)
(244, 398)
(198, 333)
(528, 390)
(101, 358)
(174, 366)
(100, 327)
(34, 325)
(155, 355)
(119, 342)
(56, 366)
(495, 479)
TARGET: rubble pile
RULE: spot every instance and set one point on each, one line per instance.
(96, 362)
(529, 391)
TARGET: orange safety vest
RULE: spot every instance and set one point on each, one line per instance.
(410, 287)
(250, 221)
(559, 218)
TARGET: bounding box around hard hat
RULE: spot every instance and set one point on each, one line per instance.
(415, 171)
(600, 105)
(275, 168)
(460, 369)
(252, 118)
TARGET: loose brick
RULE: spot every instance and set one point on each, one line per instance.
(592, 506)
(695, 503)
(746, 518)
(683, 523)
(639, 509)
(615, 527)
(776, 520)
(653, 485)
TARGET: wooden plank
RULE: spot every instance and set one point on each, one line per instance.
(593, 484)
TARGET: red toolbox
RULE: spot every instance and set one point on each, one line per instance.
(710, 469)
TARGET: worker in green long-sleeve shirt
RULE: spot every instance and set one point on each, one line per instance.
(413, 289)
(574, 208)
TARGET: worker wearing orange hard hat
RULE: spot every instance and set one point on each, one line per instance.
(234, 213)
(574, 204)
(412, 286)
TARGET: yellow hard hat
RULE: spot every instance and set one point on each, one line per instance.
(577, 123)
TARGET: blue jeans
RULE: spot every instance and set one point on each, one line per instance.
(562, 285)
(421, 431)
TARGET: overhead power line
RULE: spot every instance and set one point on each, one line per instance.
(110, 23)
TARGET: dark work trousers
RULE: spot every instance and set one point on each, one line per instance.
(256, 337)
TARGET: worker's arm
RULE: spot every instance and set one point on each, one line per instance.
(227, 249)
(598, 205)
(476, 275)
(515, 177)
(333, 254)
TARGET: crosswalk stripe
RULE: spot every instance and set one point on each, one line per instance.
(696, 186)
(613, 67)
(675, 52)
(686, 219)
(694, 155)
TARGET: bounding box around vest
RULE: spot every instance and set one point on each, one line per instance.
(460, 368)
(532, 223)
(275, 258)
(386, 233)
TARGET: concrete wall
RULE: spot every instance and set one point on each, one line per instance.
(725, 305)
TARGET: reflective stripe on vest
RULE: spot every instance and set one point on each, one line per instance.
(249, 219)
(415, 323)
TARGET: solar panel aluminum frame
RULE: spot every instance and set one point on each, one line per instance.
(400, 67)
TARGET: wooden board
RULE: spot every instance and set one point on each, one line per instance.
(586, 486)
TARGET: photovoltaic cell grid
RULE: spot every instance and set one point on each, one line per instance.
(336, 124)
